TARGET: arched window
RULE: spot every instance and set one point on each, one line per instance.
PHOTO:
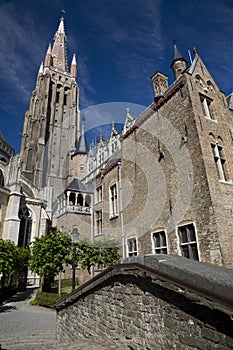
(29, 160)
(219, 158)
(87, 200)
(25, 227)
(80, 200)
(1, 179)
(72, 198)
(210, 86)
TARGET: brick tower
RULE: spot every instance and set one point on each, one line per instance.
(51, 125)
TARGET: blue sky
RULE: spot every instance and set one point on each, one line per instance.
(119, 45)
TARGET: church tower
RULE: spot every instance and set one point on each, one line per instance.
(51, 125)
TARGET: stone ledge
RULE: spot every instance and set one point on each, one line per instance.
(212, 282)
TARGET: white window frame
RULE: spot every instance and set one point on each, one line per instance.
(99, 223)
(219, 161)
(133, 252)
(189, 242)
(206, 102)
(113, 201)
(155, 249)
(99, 194)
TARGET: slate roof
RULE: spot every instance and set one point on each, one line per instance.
(177, 55)
(78, 185)
(81, 146)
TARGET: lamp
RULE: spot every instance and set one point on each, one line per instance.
(74, 239)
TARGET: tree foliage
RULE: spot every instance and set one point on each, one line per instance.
(102, 252)
(49, 253)
(12, 258)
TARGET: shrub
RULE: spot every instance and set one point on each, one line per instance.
(46, 299)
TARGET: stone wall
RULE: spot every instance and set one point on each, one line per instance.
(153, 303)
(4, 197)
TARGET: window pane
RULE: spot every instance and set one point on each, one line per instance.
(192, 236)
(185, 251)
(194, 251)
(163, 238)
(220, 151)
(157, 240)
(183, 234)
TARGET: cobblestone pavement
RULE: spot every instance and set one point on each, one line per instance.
(27, 327)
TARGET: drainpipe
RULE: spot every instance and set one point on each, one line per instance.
(92, 230)
(121, 210)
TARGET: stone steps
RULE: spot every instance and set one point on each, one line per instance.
(47, 341)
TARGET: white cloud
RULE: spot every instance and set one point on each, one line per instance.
(21, 47)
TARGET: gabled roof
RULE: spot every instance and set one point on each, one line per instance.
(79, 186)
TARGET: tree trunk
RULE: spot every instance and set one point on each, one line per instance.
(59, 283)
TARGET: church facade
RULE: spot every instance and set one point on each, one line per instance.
(162, 185)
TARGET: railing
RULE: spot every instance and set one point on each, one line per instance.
(74, 209)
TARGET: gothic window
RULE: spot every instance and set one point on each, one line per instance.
(99, 194)
(24, 228)
(29, 160)
(132, 247)
(188, 241)
(220, 161)
(87, 200)
(72, 198)
(80, 200)
(199, 80)
(34, 131)
(57, 96)
(1, 179)
(206, 106)
(159, 242)
(99, 222)
(81, 168)
(42, 127)
(113, 200)
(65, 99)
(210, 86)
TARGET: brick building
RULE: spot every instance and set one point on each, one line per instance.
(169, 190)
(162, 185)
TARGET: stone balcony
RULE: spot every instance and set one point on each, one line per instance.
(74, 209)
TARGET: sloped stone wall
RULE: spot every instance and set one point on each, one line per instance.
(141, 311)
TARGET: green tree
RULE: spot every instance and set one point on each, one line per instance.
(104, 252)
(12, 259)
(49, 253)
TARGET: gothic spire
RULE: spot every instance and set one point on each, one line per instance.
(179, 63)
(73, 68)
(59, 56)
(47, 60)
(177, 55)
(81, 146)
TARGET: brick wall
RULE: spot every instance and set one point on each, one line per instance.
(140, 308)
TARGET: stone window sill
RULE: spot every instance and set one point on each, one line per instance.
(212, 120)
(226, 182)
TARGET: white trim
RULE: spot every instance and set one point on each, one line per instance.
(153, 243)
(178, 238)
(127, 248)
(226, 182)
(111, 216)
